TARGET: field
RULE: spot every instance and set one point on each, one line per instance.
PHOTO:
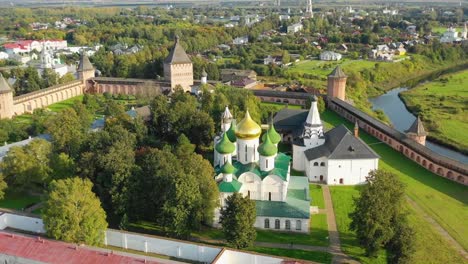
(442, 199)
(443, 106)
(316, 196)
(279, 106)
(441, 30)
(64, 104)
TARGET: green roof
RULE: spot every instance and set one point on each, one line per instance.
(267, 148)
(274, 136)
(225, 146)
(229, 187)
(228, 168)
(296, 205)
(231, 133)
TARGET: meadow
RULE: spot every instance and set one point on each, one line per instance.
(443, 200)
(442, 105)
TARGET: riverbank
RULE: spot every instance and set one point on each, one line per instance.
(441, 104)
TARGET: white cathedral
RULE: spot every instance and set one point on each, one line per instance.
(262, 173)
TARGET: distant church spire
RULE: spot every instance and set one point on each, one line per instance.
(309, 12)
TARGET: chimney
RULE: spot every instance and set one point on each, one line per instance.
(356, 129)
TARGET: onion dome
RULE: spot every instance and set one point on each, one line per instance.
(231, 133)
(225, 146)
(267, 148)
(247, 128)
(228, 168)
(272, 134)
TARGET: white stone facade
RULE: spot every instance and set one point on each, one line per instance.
(282, 224)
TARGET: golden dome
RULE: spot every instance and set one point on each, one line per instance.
(247, 128)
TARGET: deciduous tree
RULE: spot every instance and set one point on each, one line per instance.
(237, 220)
(73, 213)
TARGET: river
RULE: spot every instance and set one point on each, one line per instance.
(402, 119)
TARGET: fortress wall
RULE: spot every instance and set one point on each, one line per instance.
(283, 97)
(434, 162)
(110, 85)
(26, 103)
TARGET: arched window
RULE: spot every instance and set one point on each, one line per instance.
(248, 194)
(245, 153)
(269, 196)
(322, 164)
(298, 225)
(288, 225)
(277, 224)
(315, 164)
(255, 147)
(266, 163)
(267, 223)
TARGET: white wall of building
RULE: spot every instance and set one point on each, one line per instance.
(316, 168)
(296, 225)
(21, 222)
(173, 248)
(298, 157)
(247, 150)
(351, 171)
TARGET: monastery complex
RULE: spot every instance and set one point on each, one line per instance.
(337, 156)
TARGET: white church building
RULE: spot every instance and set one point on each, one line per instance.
(333, 157)
(258, 171)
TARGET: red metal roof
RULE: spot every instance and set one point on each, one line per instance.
(51, 251)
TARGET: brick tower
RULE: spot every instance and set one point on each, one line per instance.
(337, 84)
(85, 69)
(417, 132)
(6, 99)
(178, 68)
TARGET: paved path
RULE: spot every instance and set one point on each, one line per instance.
(335, 243)
(33, 207)
(438, 228)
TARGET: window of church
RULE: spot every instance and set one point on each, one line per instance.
(322, 164)
(266, 163)
(277, 224)
(298, 225)
(267, 223)
(269, 196)
(288, 225)
(245, 153)
(315, 164)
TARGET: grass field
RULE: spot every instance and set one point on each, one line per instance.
(443, 106)
(18, 201)
(442, 199)
(321, 257)
(316, 196)
(65, 104)
(441, 30)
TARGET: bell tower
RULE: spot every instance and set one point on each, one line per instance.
(337, 84)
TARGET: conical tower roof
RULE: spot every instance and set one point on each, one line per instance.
(226, 117)
(338, 73)
(4, 86)
(313, 117)
(177, 54)
(417, 128)
(204, 74)
(247, 128)
(267, 148)
(85, 64)
(225, 146)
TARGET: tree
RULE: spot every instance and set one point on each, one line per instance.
(377, 211)
(402, 246)
(237, 220)
(25, 167)
(3, 186)
(73, 213)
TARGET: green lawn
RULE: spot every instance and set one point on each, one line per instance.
(443, 106)
(65, 104)
(321, 257)
(318, 235)
(18, 201)
(316, 196)
(323, 68)
(442, 199)
(279, 106)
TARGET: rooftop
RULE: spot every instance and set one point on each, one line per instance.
(50, 251)
(341, 144)
(177, 54)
